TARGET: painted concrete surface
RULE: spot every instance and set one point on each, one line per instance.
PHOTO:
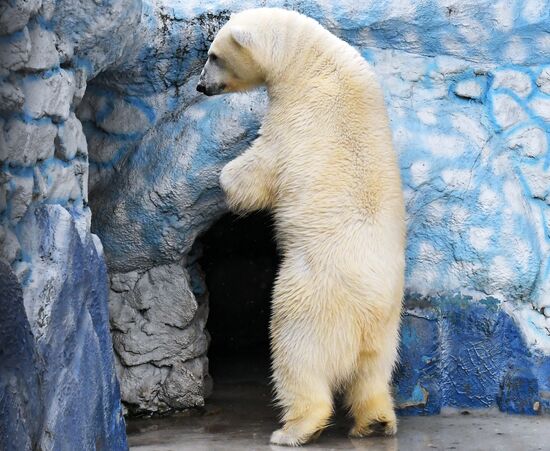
(239, 417)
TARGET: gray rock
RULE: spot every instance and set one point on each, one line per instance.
(49, 95)
(124, 119)
(19, 196)
(121, 282)
(26, 143)
(80, 85)
(161, 283)
(187, 384)
(70, 139)
(15, 15)
(139, 386)
(151, 322)
(64, 180)
(9, 246)
(15, 52)
(157, 329)
(11, 97)
(43, 52)
(160, 389)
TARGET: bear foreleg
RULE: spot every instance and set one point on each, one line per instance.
(247, 181)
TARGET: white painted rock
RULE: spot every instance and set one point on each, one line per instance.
(541, 107)
(516, 81)
(507, 111)
(15, 15)
(70, 139)
(543, 81)
(469, 89)
(26, 143)
(43, 53)
(531, 141)
(15, 52)
(49, 95)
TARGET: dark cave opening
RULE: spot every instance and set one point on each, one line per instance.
(240, 263)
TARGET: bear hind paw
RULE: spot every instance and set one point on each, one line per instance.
(375, 428)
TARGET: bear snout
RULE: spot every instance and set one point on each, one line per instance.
(201, 88)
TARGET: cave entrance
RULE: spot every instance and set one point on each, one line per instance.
(240, 262)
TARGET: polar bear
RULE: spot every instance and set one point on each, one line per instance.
(324, 165)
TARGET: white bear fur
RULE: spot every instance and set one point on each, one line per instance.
(324, 165)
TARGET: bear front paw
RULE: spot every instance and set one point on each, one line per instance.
(228, 184)
(224, 180)
(227, 177)
(386, 426)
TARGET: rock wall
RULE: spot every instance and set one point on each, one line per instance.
(466, 85)
(58, 387)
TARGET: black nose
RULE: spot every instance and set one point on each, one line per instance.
(201, 88)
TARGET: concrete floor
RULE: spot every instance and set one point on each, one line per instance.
(239, 417)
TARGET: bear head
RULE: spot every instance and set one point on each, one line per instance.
(248, 50)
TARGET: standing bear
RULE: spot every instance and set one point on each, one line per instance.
(324, 165)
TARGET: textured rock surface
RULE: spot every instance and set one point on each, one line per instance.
(466, 86)
(19, 377)
(64, 293)
(58, 387)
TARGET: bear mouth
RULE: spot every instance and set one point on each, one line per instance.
(211, 90)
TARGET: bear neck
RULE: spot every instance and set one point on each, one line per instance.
(319, 56)
(320, 68)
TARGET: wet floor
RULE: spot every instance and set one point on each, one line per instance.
(239, 417)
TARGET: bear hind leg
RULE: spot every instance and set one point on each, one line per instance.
(303, 422)
(304, 415)
(369, 397)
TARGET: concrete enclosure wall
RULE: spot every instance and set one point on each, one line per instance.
(99, 110)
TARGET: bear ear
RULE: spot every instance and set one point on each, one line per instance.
(242, 37)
